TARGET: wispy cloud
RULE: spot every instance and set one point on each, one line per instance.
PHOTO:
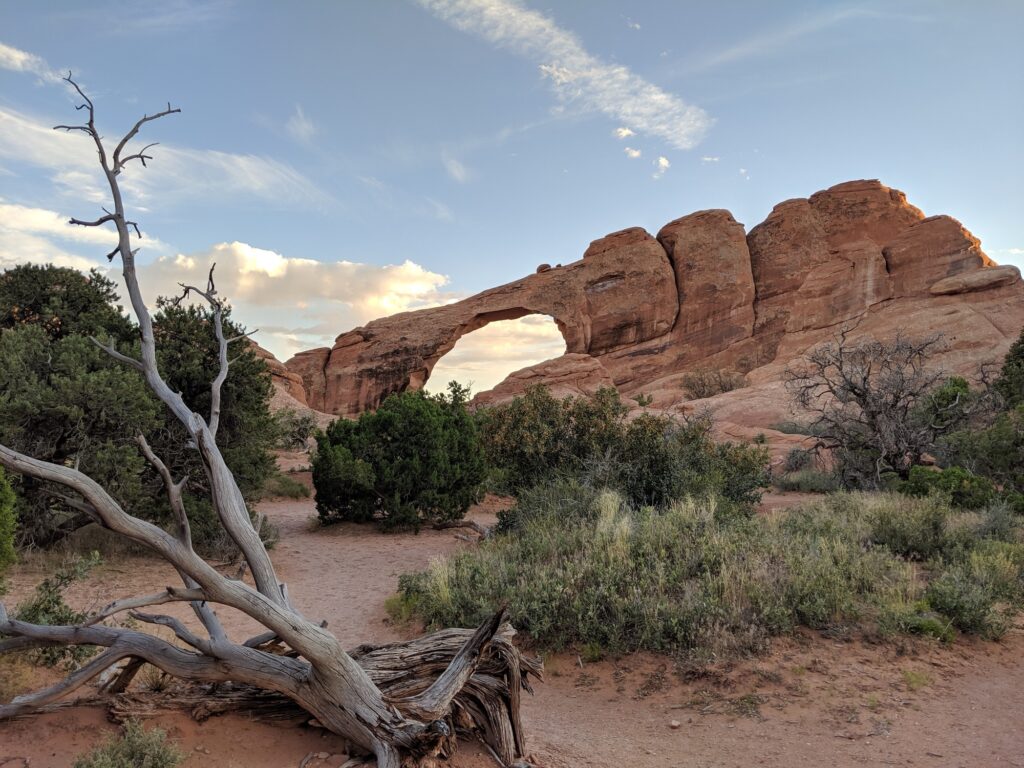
(624, 133)
(633, 24)
(781, 37)
(455, 168)
(631, 153)
(17, 60)
(576, 75)
(745, 173)
(709, 159)
(176, 172)
(660, 166)
(300, 127)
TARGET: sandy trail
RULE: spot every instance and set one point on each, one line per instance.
(811, 700)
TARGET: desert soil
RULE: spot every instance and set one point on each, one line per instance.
(811, 700)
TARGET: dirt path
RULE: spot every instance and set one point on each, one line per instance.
(812, 700)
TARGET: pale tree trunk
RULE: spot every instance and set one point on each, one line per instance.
(403, 703)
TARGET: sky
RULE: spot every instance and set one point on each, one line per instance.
(340, 161)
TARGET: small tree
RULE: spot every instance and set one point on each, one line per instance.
(415, 460)
(1010, 383)
(8, 521)
(877, 405)
(401, 702)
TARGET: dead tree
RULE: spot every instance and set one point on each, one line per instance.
(403, 703)
(877, 405)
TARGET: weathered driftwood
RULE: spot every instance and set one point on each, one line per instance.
(403, 702)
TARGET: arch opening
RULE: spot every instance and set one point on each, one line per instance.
(495, 345)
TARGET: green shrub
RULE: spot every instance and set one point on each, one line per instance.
(8, 523)
(969, 604)
(808, 481)
(961, 487)
(67, 402)
(651, 460)
(913, 528)
(47, 606)
(294, 429)
(135, 747)
(797, 459)
(1010, 383)
(995, 452)
(416, 459)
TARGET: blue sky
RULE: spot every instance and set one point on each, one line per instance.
(345, 160)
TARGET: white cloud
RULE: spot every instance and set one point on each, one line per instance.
(174, 173)
(624, 133)
(16, 60)
(709, 159)
(297, 303)
(455, 168)
(577, 75)
(300, 127)
(660, 166)
(631, 153)
(745, 174)
(485, 357)
(632, 24)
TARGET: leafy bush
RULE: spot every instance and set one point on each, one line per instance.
(708, 382)
(416, 459)
(8, 523)
(1010, 382)
(808, 481)
(995, 452)
(967, 603)
(47, 606)
(651, 459)
(913, 528)
(684, 579)
(67, 402)
(797, 459)
(135, 747)
(294, 429)
(536, 436)
(961, 487)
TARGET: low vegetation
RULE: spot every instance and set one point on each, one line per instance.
(708, 382)
(134, 747)
(583, 568)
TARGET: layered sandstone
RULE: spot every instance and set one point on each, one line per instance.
(640, 312)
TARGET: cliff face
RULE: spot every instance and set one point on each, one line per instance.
(640, 311)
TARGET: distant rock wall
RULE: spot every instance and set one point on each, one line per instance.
(639, 311)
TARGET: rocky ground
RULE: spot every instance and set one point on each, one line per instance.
(812, 699)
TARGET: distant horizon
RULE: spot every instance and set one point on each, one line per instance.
(343, 162)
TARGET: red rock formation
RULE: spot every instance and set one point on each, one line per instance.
(571, 374)
(620, 294)
(643, 311)
(282, 378)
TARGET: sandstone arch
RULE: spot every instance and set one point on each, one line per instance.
(622, 292)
